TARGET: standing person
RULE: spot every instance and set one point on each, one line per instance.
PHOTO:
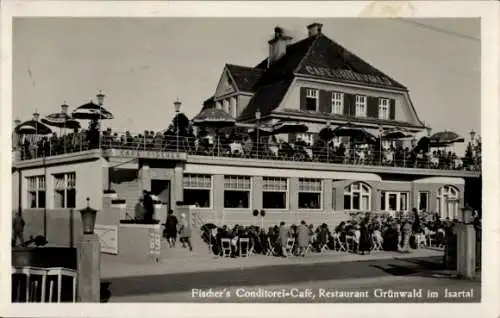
(364, 238)
(185, 232)
(171, 228)
(18, 229)
(283, 238)
(148, 207)
(302, 238)
(406, 236)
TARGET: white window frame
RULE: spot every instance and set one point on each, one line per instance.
(319, 191)
(40, 184)
(249, 190)
(287, 192)
(349, 190)
(398, 194)
(427, 201)
(313, 94)
(383, 108)
(211, 188)
(306, 137)
(452, 195)
(67, 185)
(337, 103)
(361, 105)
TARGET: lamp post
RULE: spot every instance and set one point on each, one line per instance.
(177, 106)
(466, 245)
(88, 258)
(429, 131)
(257, 117)
(100, 101)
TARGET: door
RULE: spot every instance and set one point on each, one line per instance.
(161, 189)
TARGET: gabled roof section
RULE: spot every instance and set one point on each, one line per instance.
(266, 99)
(328, 60)
(245, 77)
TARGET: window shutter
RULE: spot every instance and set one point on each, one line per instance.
(303, 98)
(372, 107)
(349, 107)
(325, 102)
(392, 109)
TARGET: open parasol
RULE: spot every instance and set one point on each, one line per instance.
(33, 127)
(445, 138)
(289, 127)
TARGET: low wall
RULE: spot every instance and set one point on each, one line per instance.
(139, 241)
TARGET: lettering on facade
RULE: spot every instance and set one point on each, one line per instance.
(347, 75)
(149, 154)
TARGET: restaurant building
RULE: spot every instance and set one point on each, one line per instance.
(314, 81)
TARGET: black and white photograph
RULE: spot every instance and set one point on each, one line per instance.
(197, 158)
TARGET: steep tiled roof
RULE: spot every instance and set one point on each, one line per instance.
(329, 60)
(266, 99)
(245, 77)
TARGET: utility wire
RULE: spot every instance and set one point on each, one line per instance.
(437, 29)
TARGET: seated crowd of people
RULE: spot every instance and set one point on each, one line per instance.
(371, 232)
(238, 145)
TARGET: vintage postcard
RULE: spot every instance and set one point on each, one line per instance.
(249, 158)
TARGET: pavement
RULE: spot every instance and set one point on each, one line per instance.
(175, 280)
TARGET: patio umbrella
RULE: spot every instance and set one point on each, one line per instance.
(214, 118)
(289, 127)
(91, 111)
(326, 133)
(356, 133)
(396, 133)
(445, 138)
(61, 119)
(33, 127)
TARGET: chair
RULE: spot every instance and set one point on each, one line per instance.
(270, 251)
(350, 243)
(244, 247)
(290, 242)
(59, 272)
(338, 242)
(324, 248)
(225, 247)
(420, 240)
(376, 243)
(31, 286)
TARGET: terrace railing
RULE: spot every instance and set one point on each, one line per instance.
(218, 148)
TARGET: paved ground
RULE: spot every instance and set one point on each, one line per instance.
(175, 280)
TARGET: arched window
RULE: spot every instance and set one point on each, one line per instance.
(447, 202)
(357, 197)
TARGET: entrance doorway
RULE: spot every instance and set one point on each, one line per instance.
(161, 189)
(393, 202)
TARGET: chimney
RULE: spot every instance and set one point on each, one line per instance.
(277, 45)
(314, 29)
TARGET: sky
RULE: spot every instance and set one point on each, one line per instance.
(144, 64)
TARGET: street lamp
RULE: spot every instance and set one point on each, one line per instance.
(177, 106)
(64, 108)
(429, 130)
(472, 135)
(257, 117)
(36, 115)
(100, 98)
(88, 218)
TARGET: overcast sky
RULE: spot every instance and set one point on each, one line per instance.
(143, 64)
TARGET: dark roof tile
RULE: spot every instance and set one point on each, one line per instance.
(245, 77)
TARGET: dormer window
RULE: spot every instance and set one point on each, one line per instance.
(312, 99)
(360, 106)
(383, 108)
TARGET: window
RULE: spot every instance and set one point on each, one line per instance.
(237, 192)
(306, 137)
(447, 202)
(65, 190)
(312, 97)
(357, 197)
(360, 106)
(423, 201)
(198, 190)
(338, 103)
(394, 201)
(383, 108)
(310, 194)
(274, 194)
(36, 192)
